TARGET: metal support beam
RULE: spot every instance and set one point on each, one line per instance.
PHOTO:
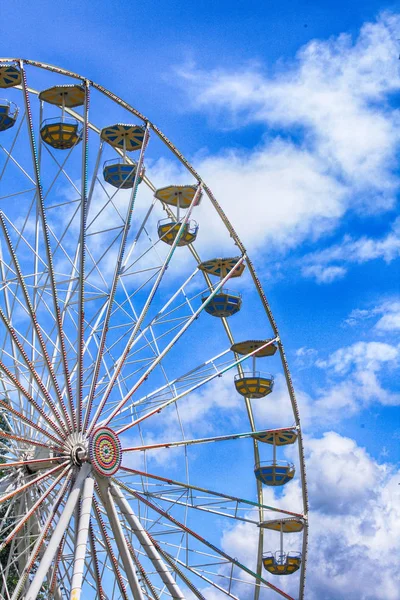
(82, 538)
(147, 544)
(120, 540)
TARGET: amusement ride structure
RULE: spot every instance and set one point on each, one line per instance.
(115, 336)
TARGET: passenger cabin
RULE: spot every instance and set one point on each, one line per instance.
(62, 133)
(180, 197)
(168, 231)
(274, 473)
(10, 76)
(224, 303)
(281, 563)
(121, 172)
(8, 114)
(254, 384)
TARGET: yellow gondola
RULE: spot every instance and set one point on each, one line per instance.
(62, 133)
(282, 564)
(168, 230)
(224, 303)
(180, 196)
(254, 384)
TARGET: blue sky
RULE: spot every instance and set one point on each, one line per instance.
(290, 112)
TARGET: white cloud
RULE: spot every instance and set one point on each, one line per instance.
(324, 274)
(361, 355)
(324, 267)
(277, 194)
(389, 322)
(388, 312)
(332, 100)
(354, 524)
(354, 380)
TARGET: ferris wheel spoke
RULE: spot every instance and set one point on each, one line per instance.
(97, 574)
(108, 502)
(149, 585)
(25, 463)
(110, 552)
(33, 402)
(33, 509)
(82, 538)
(115, 279)
(29, 422)
(220, 438)
(146, 543)
(181, 484)
(31, 483)
(7, 307)
(172, 563)
(34, 321)
(159, 358)
(54, 577)
(38, 544)
(146, 306)
(214, 548)
(202, 576)
(49, 256)
(177, 397)
(82, 265)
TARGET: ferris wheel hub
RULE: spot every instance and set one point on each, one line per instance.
(105, 451)
(78, 454)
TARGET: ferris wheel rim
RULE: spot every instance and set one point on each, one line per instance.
(239, 244)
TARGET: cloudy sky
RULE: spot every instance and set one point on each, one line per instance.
(290, 112)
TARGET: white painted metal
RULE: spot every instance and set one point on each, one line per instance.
(120, 540)
(147, 544)
(82, 538)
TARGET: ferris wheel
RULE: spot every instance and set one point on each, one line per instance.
(131, 367)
